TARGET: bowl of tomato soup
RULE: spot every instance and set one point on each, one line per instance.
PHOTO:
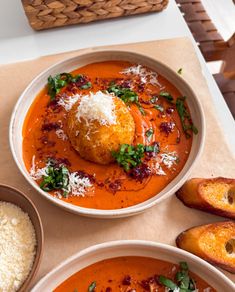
(133, 265)
(107, 134)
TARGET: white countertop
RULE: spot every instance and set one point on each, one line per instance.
(19, 42)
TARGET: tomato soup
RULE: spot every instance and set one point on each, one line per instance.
(137, 274)
(162, 121)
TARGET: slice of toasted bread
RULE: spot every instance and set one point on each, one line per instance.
(216, 195)
(214, 243)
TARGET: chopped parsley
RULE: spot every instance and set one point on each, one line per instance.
(92, 287)
(61, 80)
(183, 282)
(180, 71)
(86, 86)
(185, 118)
(159, 108)
(153, 148)
(167, 96)
(57, 178)
(149, 133)
(126, 94)
(130, 156)
(154, 99)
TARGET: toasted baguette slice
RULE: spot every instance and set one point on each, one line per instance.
(214, 243)
(216, 195)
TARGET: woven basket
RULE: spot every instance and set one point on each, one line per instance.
(52, 13)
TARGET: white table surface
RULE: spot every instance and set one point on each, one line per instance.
(19, 42)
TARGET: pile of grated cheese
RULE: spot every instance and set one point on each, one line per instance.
(67, 102)
(17, 247)
(146, 75)
(77, 185)
(97, 106)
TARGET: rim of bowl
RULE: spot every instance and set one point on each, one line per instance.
(113, 213)
(39, 247)
(130, 243)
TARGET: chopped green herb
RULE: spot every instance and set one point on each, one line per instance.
(92, 287)
(57, 178)
(167, 96)
(86, 86)
(127, 95)
(167, 283)
(159, 107)
(141, 109)
(149, 133)
(183, 281)
(154, 99)
(184, 266)
(153, 148)
(185, 118)
(61, 80)
(180, 71)
(129, 156)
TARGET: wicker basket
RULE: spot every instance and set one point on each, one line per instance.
(52, 13)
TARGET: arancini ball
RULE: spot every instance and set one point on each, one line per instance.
(98, 124)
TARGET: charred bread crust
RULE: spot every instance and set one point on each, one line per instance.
(191, 240)
(191, 194)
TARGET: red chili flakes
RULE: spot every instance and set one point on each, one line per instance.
(50, 126)
(140, 172)
(46, 141)
(115, 186)
(126, 83)
(108, 289)
(82, 81)
(150, 284)
(53, 105)
(170, 110)
(72, 88)
(167, 127)
(61, 161)
(83, 174)
(126, 280)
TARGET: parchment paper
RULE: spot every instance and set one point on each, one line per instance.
(67, 233)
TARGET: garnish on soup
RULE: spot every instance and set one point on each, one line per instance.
(119, 133)
(132, 274)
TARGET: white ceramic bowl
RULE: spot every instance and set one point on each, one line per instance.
(133, 248)
(28, 96)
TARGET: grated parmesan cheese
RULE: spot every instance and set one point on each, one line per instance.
(97, 106)
(169, 158)
(61, 134)
(145, 74)
(68, 101)
(17, 247)
(38, 173)
(77, 185)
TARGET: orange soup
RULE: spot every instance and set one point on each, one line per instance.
(163, 133)
(133, 274)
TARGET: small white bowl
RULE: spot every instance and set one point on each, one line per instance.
(150, 249)
(28, 96)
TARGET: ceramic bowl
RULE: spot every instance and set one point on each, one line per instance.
(39, 82)
(150, 249)
(11, 195)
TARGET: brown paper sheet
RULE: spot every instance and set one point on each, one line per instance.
(65, 233)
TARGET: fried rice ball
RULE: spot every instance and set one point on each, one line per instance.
(94, 141)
